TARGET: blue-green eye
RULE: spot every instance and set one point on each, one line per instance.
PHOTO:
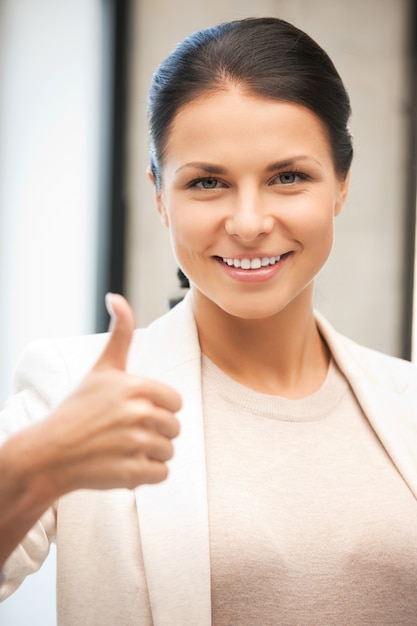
(206, 183)
(288, 178)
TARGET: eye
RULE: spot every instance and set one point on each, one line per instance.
(206, 183)
(289, 178)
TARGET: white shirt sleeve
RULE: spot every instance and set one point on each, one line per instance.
(40, 381)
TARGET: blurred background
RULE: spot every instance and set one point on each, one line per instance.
(77, 213)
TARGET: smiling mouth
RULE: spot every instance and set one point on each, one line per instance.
(252, 264)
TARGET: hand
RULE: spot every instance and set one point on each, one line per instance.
(115, 430)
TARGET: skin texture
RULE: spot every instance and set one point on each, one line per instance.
(246, 177)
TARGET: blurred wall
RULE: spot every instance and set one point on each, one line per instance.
(361, 288)
(50, 83)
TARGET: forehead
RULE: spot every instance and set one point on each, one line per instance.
(231, 121)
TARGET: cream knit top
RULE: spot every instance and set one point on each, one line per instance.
(310, 522)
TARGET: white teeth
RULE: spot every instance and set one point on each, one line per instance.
(252, 264)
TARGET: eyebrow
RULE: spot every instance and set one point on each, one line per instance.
(211, 168)
(207, 167)
(290, 162)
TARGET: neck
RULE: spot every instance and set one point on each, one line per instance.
(280, 355)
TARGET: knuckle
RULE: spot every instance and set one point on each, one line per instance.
(139, 411)
(141, 387)
(172, 427)
(150, 444)
(158, 473)
(168, 450)
(141, 439)
(144, 471)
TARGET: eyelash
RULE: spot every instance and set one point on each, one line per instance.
(301, 175)
(203, 179)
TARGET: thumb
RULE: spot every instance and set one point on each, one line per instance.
(122, 324)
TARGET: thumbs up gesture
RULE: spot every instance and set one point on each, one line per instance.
(116, 429)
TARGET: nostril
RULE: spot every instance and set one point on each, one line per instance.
(249, 225)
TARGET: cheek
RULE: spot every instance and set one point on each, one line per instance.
(191, 225)
(186, 233)
(319, 228)
(313, 225)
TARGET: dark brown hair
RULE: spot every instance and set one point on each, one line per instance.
(267, 57)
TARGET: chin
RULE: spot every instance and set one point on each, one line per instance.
(251, 311)
(250, 307)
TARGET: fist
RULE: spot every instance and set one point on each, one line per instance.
(116, 429)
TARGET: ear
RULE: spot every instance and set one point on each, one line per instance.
(160, 207)
(342, 194)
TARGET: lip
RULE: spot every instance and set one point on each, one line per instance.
(260, 275)
(249, 255)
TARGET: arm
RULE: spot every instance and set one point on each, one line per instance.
(114, 430)
(22, 495)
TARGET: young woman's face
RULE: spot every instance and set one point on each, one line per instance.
(249, 194)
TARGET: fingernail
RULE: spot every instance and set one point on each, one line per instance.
(109, 306)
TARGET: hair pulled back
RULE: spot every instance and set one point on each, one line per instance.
(266, 57)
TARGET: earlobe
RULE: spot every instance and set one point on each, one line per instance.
(342, 194)
(162, 210)
(160, 207)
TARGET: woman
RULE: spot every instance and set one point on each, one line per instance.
(291, 495)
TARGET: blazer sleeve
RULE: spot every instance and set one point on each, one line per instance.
(41, 380)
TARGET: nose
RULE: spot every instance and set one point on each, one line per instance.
(249, 218)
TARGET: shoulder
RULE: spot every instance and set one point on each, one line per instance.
(387, 366)
(358, 361)
(47, 371)
(65, 361)
(68, 358)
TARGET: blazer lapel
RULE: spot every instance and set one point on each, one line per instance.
(386, 389)
(173, 515)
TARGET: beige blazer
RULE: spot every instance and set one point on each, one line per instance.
(142, 557)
